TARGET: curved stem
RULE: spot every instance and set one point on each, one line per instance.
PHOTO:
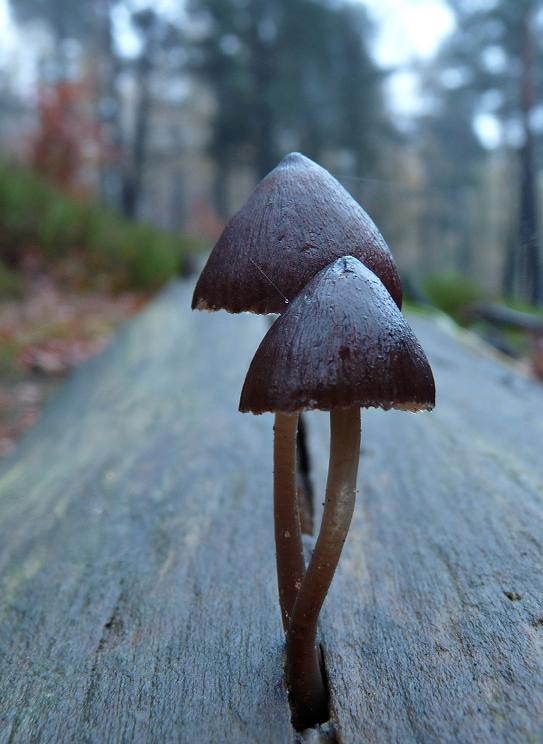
(288, 538)
(304, 675)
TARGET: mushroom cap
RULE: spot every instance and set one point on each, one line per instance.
(341, 342)
(297, 221)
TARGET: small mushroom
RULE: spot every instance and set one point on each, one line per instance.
(341, 345)
(298, 220)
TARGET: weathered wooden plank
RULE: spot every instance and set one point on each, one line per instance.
(138, 598)
(433, 629)
(489, 400)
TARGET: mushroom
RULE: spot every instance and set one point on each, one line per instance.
(298, 220)
(342, 344)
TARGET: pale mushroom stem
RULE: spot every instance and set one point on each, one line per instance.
(304, 676)
(288, 537)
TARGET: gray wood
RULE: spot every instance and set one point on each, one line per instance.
(137, 586)
(433, 630)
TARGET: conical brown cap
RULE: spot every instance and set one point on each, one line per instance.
(341, 342)
(297, 221)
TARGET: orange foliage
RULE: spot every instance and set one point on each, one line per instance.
(204, 221)
(68, 138)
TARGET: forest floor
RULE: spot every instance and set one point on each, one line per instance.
(44, 334)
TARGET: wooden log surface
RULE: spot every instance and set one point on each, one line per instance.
(137, 588)
(433, 629)
(138, 598)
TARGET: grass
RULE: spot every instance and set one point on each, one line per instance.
(101, 247)
(10, 368)
(524, 307)
(411, 307)
(11, 284)
(453, 294)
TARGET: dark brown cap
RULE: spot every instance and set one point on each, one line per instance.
(297, 221)
(341, 342)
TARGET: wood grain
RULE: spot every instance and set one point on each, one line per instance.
(137, 586)
(138, 596)
(433, 630)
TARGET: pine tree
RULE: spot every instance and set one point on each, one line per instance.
(287, 74)
(497, 51)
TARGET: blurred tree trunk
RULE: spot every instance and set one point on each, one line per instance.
(528, 270)
(220, 188)
(136, 160)
(459, 215)
(262, 62)
(109, 109)
(508, 283)
(265, 151)
(134, 170)
(61, 72)
(522, 263)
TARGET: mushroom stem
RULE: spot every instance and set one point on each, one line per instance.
(288, 537)
(304, 676)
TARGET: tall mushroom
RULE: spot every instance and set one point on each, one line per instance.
(341, 345)
(298, 220)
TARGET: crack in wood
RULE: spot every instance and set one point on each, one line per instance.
(513, 596)
(113, 633)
